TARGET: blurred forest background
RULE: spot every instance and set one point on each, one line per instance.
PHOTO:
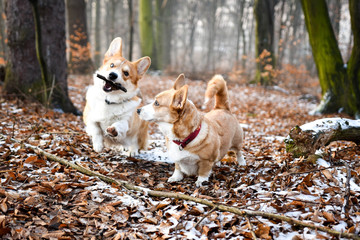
(249, 41)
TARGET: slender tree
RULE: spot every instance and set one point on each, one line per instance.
(79, 46)
(97, 39)
(3, 48)
(168, 28)
(24, 74)
(146, 31)
(264, 50)
(131, 26)
(340, 83)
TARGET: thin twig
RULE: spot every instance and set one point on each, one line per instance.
(347, 188)
(174, 195)
(205, 216)
(251, 228)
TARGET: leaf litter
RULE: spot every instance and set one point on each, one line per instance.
(40, 199)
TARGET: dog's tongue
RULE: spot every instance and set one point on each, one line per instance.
(108, 86)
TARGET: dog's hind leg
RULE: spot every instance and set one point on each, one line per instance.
(240, 158)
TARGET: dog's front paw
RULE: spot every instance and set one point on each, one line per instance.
(98, 146)
(200, 180)
(241, 160)
(112, 131)
(177, 176)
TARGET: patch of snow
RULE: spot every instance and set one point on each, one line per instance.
(321, 162)
(326, 124)
(341, 227)
(275, 138)
(244, 125)
(287, 236)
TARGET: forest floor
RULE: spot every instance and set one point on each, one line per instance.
(41, 199)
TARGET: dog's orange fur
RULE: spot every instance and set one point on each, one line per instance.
(220, 131)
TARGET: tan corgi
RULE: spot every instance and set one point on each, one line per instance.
(195, 141)
(111, 102)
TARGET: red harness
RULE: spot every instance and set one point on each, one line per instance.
(188, 139)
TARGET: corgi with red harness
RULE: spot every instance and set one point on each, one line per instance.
(111, 102)
(195, 141)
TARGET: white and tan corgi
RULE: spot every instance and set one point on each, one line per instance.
(195, 141)
(111, 102)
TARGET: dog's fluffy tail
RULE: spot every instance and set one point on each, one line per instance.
(217, 87)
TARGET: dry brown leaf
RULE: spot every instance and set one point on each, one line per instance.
(263, 231)
(329, 217)
(163, 204)
(3, 205)
(205, 230)
(220, 235)
(30, 200)
(121, 216)
(327, 174)
(149, 220)
(54, 234)
(110, 233)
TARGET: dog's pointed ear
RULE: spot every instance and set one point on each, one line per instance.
(179, 82)
(142, 65)
(115, 48)
(179, 99)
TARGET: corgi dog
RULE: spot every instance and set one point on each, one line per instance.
(195, 141)
(111, 102)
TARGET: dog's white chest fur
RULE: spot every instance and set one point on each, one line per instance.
(108, 113)
(187, 161)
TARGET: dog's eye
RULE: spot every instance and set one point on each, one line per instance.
(112, 65)
(156, 103)
(126, 73)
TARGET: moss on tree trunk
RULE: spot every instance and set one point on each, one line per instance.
(304, 141)
(146, 31)
(23, 72)
(338, 91)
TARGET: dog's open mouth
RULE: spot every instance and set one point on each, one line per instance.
(110, 85)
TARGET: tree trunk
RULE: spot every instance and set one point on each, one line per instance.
(168, 27)
(306, 139)
(79, 46)
(264, 50)
(296, 24)
(131, 32)
(239, 19)
(211, 19)
(353, 68)
(281, 42)
(23, 74)
(146, 31)
(3, 48)
(337, 88)
(97, 54)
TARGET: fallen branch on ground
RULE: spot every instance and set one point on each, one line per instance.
(306, 139)
(172, 195)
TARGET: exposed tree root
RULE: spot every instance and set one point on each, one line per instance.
(172, 195)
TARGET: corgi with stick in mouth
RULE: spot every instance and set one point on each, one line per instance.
(111, 102)
(195, 141)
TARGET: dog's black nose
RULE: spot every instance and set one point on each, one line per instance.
(138, 110)
(113, 76)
